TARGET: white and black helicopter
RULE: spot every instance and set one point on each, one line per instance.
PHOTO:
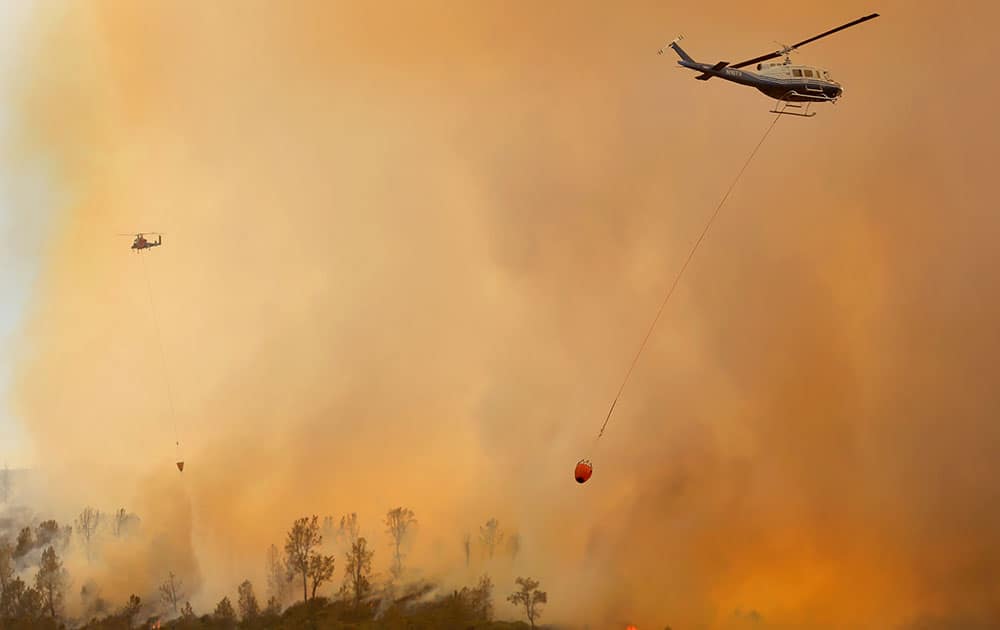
(783, 81)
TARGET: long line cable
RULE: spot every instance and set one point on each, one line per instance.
(680, 273)
(163, 355)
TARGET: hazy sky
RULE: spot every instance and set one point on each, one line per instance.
(411, 247)
(18, 233)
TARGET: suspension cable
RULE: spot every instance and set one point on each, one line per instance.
(680, 273)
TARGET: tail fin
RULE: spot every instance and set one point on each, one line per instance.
(677, 49)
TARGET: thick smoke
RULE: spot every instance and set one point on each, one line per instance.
(410, 250)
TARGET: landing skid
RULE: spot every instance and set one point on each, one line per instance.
(781, 107)
(805, 114)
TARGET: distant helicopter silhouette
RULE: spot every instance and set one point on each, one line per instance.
(141, 243)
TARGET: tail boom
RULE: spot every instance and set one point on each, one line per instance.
(680, 51)
(687, 61)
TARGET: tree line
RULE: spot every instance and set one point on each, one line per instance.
(300, 565)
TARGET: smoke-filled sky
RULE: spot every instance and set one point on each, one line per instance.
(22, 203)
(409, 252)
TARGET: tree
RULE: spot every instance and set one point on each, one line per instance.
(50, 581)
(530, 597)
(299, 544)
(130, 609)
(273, 607)
(320, 570)
(29, 604)
(358, 571)
(397, 522)
(119, 520)
(6, 573)
(514, 546)
(349, 529)
(467, 546)
(491, 536)
(25, 543)
(279, 581)
(328, 527)
(86, 527)
(46, 533)
(122, 522)
(471, 607)
(90, 598)
(171, 592)
(247, 601)
(481, 599)
(224, 611)
(5, 483)
(66, 534)
(187, 612)
(11, 595)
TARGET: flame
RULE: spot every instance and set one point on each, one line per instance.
(631, 628)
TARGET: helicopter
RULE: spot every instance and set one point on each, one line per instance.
(784, 81)
(140, 242)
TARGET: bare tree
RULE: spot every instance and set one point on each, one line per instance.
(86, 527)
(397, 522)
(349, 529)
(358, 571)
(279, 577)
(302, 539)
(320, 570)
(514, 545)
(491, 536)
(65, 534)
(122, 522)
(247, 601)
(51, 581)
(187, 612)
(171, 593)
(530, 597)
(328, 529)
(467, 546)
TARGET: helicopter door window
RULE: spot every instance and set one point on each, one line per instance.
(796, 72)
(809, 73)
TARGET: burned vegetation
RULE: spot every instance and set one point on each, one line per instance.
(318, 577)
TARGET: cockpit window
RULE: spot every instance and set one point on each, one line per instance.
(796, 72)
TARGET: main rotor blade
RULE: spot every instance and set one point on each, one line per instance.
(750, 62)
(779, 53)
(834, 30)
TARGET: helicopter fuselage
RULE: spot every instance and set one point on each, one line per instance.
(781, 81)
(141, 243)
